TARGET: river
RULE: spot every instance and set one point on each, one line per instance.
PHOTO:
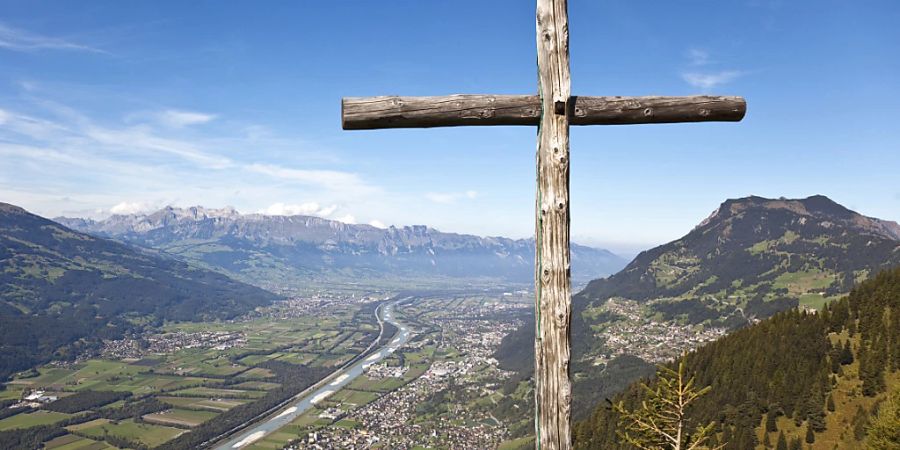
(332, 384)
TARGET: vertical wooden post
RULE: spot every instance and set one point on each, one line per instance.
(553, 390)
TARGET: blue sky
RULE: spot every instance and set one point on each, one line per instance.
(126, 106)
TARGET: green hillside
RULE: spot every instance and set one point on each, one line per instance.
(62, 292)
(753, 257)
(750, 259)
(818, 379)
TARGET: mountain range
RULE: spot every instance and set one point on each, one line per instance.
(284, 251)
(62, 291)
(751, 258)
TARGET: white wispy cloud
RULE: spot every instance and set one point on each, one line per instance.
(450, 197)
(53, 153)
(131, 208)
(702, 74)
(333, 180)
(178, 119)
(698, 57)
(142, 138)
(709, 80)
(74, 131)
(24, 41)
(302, 209)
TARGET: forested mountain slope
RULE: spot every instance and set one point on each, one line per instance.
(751, 258)
(816, 379)
(758, 254)
(62, 292)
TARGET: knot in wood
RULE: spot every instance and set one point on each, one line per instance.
(704, 112)
(648, 112)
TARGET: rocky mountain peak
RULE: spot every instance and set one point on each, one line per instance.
(304, 245)
(819, 208)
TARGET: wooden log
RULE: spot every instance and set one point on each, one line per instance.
(366, 113)
(553, 309)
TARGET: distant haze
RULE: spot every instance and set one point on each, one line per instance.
(273, 251)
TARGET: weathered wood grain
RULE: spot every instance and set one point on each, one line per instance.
(553, 110)
(366, 113)
(553, 386)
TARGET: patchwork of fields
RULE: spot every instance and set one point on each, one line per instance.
(167, 395)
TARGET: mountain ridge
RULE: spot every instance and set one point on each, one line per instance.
(783, 224)
(310, 248)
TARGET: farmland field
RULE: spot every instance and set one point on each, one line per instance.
(215, 404)
(186, 383)
(32, 419)
(180, 417)
(147, 434)
(72, 442)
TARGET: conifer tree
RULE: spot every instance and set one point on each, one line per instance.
(846, 354)
(781, 444)
(713, 441)
(771, 425)
(766, 441)
(810, 436)
(830, 403)
(884, 431)
(660, 421)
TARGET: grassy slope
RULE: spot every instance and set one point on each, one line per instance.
(840, 423)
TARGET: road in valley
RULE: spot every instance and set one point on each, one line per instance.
(322, 390)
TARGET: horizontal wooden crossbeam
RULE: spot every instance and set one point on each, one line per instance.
(368, 113)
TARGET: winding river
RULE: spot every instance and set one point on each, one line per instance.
(328, 386)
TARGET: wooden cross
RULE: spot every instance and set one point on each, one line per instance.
(553, 110)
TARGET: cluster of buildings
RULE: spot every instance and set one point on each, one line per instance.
(635, 334)
(171, 342)
(434, 409)
(35, 399)
(306, 305)
(390, 421)
(382, 370)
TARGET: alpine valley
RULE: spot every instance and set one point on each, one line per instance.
(207, 328)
